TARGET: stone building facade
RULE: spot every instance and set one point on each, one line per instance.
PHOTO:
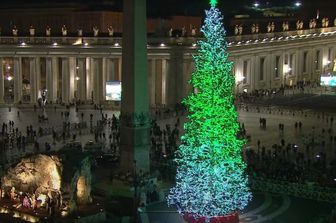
(73, 68)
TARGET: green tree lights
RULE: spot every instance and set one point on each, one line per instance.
(210, 179)
(213, 3)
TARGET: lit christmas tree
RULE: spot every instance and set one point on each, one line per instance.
(211, 178)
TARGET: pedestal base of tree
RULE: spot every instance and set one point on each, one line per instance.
(230, 218)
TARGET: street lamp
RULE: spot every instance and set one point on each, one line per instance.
(256, 4)
(326, 63)
(77, 84)
(298, 4)
(287, 69)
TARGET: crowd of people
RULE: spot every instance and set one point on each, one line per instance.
(285, 90)
(286, 161)
(281, 161)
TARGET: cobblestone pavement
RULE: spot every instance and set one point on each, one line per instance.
(264, 208)
(28, 116)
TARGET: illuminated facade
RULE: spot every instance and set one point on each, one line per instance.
(65, 69)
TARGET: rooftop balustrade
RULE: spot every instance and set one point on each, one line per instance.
(162, 42)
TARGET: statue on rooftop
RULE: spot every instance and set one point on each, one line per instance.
(240, 28)
(285, 26)
(95, 31)
(14, 31)
(80, 32)
(272, 27)
(31, 31)
(269, 28)
(64, 31)
(48, 31)
(193, 31)
(110, 31)
(253, 28)
(184, 32)
(236, 30)
(170, 32)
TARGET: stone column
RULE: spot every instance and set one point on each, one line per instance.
(119, 74)
(35, 78)
(97, 79)
(49, 79)
(184, 82)
(298, 66)
(89, 79)
(151, 83)
(310, 63)
(187, 70)
(72, 75)
(17, 79)
(111, 70)
(281, 67)
(170, 83)
(65, 80)
(105, 63)
(175, 77)
(2, 83)
(68, 79)
(32, 75)
(52, 78)
(164, 82)
(254, 72)
(269, 71)
(158, 82)
(82, 94)
(135, 139)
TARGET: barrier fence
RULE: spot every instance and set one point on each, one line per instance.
(307, 191)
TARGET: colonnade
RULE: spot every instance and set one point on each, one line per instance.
(79, 73)
(270, 68)
(69, 79)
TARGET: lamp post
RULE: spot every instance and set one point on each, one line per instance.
(325, 65)
(77, 80)
(10, 90)
(298, 4)
(77, 84)
(287, 70)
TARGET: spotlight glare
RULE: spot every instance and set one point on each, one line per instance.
(298, 4)
(256, 4)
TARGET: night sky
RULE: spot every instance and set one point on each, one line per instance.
(181, 7)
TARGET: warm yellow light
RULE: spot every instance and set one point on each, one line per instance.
(326, 62)
(42, 198)
(16, 214)
(78, 42)
(64, 213)
(3, 210)
(81, 187)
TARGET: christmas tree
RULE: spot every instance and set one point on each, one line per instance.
(211, 178)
